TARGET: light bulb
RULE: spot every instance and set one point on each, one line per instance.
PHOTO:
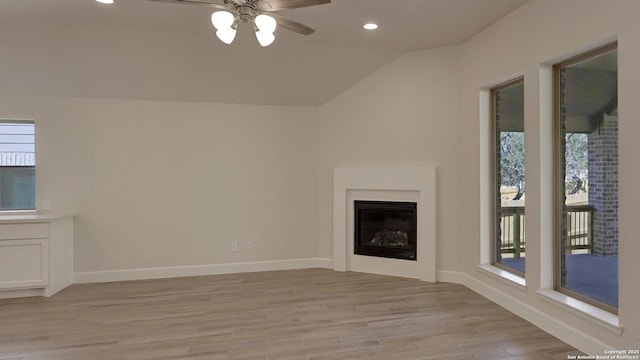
(265, 38)
(266, 23)
(105, 1)
(222, 20)
(226, 35)
(370, 26)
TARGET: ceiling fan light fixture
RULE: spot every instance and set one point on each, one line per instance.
(266, 23)
(265, 38)
(265, 26)
(222, 20)
(226, 16)
(226, 35)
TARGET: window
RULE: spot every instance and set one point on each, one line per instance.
(586, 124)
(17, 165)
(509, 245)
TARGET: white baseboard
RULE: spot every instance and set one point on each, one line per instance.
(452, 277)
(19, 293)
(569, 334)
(199, 270)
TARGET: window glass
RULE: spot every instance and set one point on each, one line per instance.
(17, 165)
(588, 178)
(509, 245)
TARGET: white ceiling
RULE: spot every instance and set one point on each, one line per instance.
(157, 51)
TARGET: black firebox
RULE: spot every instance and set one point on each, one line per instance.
(385, 229)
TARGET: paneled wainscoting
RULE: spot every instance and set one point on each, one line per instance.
(293, 314)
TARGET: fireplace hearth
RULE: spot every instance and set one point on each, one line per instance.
(385, 229)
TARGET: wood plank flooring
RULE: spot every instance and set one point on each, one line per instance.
(299, 314)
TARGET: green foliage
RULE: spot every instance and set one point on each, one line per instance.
(512, 160)
(577, 162)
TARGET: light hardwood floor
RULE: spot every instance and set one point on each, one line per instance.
(298, 314)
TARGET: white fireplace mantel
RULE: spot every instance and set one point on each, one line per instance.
(389, 184)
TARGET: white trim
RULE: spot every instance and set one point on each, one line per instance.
(18, 212)
(20, 293)
(324, 263)
(571, 335)
(584, 310)
(199, 270)
(29, 216)
(454, 277)
(486, 189)
(508, 278)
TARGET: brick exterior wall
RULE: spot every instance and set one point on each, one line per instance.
(562, 169)
(603, 186)
(498, 181)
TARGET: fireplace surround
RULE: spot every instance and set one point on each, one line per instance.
(404, 184)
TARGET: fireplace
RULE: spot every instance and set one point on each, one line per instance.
(410, 184)
(385, 229)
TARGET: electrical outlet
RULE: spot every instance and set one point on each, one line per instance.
(249, 245)
(46, 204)
(234, 246)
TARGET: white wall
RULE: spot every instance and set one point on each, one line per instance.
(405, 114)
(161, 184)
(423, 109)
(533, 37)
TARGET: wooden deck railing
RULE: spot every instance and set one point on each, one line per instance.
(579, 229)
(512, 230)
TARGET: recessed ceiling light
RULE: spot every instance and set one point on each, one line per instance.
(105, 1)
(370, 26)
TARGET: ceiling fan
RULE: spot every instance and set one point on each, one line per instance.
(260, 13)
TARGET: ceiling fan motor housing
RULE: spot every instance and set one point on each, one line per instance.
(246, 13)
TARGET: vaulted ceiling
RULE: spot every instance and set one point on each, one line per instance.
(146, 50)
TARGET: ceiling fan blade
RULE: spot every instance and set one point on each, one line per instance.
(194, 2)
(275, 5)
(292, 25)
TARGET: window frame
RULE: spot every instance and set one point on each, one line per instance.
(9, 211)
(558, 180)
(494, 180)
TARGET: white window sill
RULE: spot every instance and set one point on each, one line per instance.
(587, 311)
(509, 278)
(31, 217)
(18, 212)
